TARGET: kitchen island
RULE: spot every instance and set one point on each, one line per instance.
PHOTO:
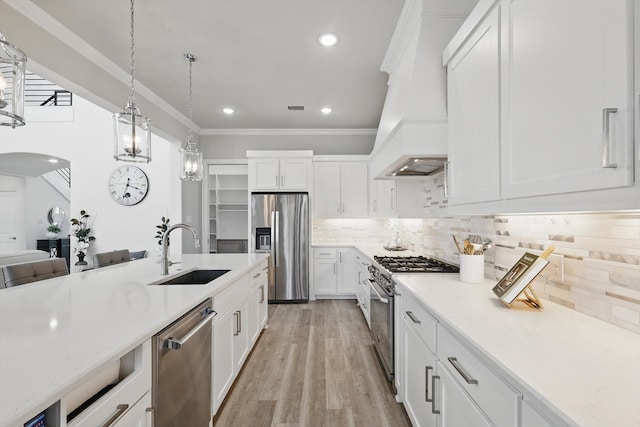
(56, 333)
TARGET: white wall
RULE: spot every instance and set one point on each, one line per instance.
(87, 143)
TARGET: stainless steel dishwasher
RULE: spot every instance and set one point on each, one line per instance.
(181, 390)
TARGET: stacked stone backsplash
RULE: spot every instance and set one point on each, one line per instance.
(601, 250)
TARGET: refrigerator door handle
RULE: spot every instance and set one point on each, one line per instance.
(277, 242)
(273, 236)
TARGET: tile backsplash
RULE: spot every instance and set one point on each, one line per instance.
(601, 251)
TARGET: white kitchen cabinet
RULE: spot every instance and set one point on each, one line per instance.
(568, 96)
(340, 189)
(241, 333)
(382, 198)
(455, 406)
(234, 329)
(224, 327)
(258, 301)
(419, 366)
(443, 382)
(279, 171)
(533, 418)
(363, 294)
(334, 272)
(473, 91)
(531, 118)
(346, 279)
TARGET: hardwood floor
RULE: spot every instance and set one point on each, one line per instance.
(314, 366)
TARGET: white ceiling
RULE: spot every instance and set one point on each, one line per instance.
(29, 164)
(256, 56)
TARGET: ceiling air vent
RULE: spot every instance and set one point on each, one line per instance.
(295, 107)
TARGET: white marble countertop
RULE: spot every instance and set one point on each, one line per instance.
(585, 370)
(55, 332)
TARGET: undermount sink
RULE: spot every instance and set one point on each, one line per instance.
(195, 277)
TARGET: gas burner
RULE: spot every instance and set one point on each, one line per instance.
(419, 264)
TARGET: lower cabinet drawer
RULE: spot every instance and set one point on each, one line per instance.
(498, 399)
(115, 404)
(329, 253)
(418, 317)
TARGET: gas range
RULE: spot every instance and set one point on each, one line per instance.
(417, 264)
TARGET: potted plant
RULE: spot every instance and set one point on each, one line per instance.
(53, 230)
(82, 234)
(161, 229)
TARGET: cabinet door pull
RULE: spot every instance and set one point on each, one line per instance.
(256, 276)
(281, 180)
(120, 410)
(334, 268)
(393, 204)
(375, 206)
(461, 371)
(413, 317)
(606, 137)
(277, 182)
(433, 392)
(239, 321)
(426, 384)
(261, 294)
(237, 316)
(340, 253)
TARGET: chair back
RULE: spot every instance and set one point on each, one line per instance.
(110, 258)
(27, 272)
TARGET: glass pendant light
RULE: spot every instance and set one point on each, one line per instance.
(132, 134)
(190, 156)
(12, 71)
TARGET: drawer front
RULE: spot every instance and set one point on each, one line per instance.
(259, 274)
(122, 398)
(498, 399)
(225, 300)
(423, 323)
(328, 253)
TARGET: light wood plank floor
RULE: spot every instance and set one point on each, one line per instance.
(314, 366)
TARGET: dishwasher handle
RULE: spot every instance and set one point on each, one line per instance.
(177, 343)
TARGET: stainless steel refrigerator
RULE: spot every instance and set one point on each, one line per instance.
(280, 226)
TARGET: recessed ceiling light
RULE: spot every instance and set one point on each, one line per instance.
(227, 110)
(53, 160)
(326, 110)
(328, 39)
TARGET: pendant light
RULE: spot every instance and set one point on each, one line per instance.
(190, 156)
(12, 71)
(132, 134)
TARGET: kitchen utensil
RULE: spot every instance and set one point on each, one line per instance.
(460, 248)
(468, 247)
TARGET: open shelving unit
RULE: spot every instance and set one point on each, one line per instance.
(227, 216)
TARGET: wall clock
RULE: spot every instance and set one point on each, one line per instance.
(128, 185)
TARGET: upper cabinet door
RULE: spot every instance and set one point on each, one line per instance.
(354, 189)
(567, 96)
(474, 115)
(294, 174)
(326, 184)
(265, 173)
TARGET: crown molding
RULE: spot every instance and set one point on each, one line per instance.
(71, 39)
(293, 132)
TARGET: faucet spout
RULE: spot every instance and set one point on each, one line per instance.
(164, 261)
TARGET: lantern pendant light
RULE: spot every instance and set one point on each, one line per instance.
(12, 80)
(132, 134)
(190, 156)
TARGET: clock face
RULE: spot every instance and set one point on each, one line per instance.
(128, 185)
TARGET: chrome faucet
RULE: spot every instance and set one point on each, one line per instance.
(164, 262)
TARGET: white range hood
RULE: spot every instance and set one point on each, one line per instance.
(412, 135)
